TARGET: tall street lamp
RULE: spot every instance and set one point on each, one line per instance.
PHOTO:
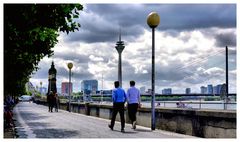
(153, 20)
(120, 46)
(70, 65)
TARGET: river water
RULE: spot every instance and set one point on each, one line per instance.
(193, 104)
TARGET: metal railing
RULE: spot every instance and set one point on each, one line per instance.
(190, 101)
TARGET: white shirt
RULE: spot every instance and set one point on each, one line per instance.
(133, 95)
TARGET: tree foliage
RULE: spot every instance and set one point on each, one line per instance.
(30, 32)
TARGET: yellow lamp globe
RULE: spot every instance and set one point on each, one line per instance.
(153, 20)
(70, 65)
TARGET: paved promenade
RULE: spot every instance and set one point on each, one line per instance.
(34, 121)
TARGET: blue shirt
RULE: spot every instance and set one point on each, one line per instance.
(118, 95)
(133, 95)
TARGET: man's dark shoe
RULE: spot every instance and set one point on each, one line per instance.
(109, 125)
(134, 125)
(122, 130)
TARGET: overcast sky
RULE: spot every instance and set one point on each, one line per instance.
(189, 47)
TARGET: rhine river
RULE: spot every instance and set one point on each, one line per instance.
(193, 104)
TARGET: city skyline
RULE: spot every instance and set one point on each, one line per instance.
(190, 46)
(60, 90)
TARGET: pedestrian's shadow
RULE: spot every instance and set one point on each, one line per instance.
(142, 130)
(126, 132)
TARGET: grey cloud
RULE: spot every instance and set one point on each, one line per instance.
(129, 74)
(94, 35)
(84, 74)
(232, 52)
(193, 16)
(80, 58)
(42, 72)
(169, 73)
(225, 39)
(132, 19)
(173, 16)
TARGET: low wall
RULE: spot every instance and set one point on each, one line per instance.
(200, 123)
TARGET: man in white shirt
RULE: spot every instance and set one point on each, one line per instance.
(134, 100)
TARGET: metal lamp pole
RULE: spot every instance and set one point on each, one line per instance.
(70, 65)
(153, 20)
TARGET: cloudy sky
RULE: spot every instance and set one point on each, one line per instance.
(189, 46)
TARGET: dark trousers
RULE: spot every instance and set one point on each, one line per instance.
(132, 111)
(118, 107)
(50, 106)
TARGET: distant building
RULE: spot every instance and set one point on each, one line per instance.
(89, 86)
(29, 87)
(210, 89)
(104, 92)
(167, 91)
(43, 90)
(217, 89)
(149, 91)
(203, 90)
(59, 91)
(65, 88)
(142, 90)
(188, 91)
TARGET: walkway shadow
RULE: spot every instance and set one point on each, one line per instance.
(32, 116)
(126, 132)
(142, 130)
(55, 133)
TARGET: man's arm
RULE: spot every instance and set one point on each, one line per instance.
(127, 95)
(113, 95)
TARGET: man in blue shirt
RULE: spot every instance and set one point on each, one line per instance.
(134, 101)
(118, 98)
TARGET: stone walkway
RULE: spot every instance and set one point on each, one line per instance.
(34, 121)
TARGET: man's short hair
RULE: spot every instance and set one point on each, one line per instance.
(116, 84)
(132, 83)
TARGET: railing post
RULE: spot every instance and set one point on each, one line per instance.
(200, 103)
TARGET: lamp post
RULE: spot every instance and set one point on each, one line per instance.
(102, 90)
(120, 46)
(70, 65)
(226, 97)
(153, 20)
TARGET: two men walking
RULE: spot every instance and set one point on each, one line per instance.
(119, 97)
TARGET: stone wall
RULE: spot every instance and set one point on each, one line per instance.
(201, 123)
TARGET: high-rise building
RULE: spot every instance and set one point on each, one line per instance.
(167, 91)
(65, 88)
(203, 90)
(89, 86)
(217, 89)
(210, 89)
(188, 91)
